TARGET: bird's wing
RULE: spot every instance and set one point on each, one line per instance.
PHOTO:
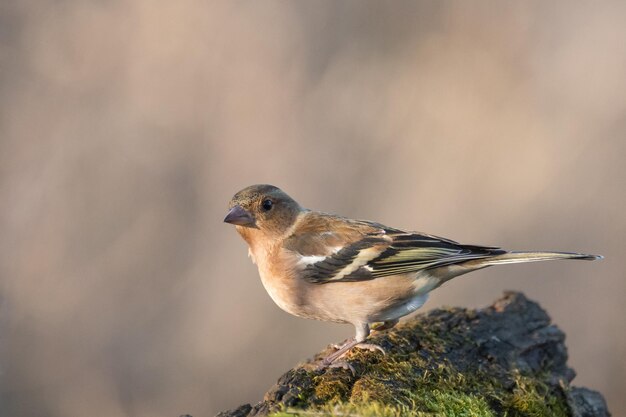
(372, 251)
(412, 252)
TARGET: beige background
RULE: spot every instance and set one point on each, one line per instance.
(126, 126)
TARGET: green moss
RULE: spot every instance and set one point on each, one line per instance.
(445, 407)
(440, 395)
(533, 398)
(439, 405)
(387, 382)
(459, 404)
(332, 387)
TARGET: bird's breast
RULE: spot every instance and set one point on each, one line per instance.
(279, 278)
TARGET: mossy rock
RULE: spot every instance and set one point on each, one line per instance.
(504, 360)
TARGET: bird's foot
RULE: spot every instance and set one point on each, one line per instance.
(371, 347)
(332, 359)
(340, 351)
(343, 365)
(368, 346)
(330, 363)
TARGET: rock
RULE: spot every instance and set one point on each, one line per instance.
(241, 411)
(587, 403)
(506, 359)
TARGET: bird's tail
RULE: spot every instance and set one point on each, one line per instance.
(519, 257)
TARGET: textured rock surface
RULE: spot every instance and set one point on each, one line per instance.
(506, 359)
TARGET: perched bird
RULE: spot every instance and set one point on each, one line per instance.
(325, 267)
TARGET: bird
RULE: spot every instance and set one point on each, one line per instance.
(326, 267)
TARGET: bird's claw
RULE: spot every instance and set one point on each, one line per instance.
(325, 364)
(343, 365)
(366, 346)
(331, 361)
(371, 347)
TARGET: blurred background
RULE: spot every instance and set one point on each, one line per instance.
(126, 126)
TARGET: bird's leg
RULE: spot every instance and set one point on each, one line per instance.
(339, 353)
(387, 324)
(362, 331)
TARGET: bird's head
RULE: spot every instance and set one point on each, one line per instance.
(262, 210)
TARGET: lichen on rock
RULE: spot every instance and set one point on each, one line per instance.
(503, 360)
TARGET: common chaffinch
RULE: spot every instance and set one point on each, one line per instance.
(325, 267)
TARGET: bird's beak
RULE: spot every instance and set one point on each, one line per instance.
(239, 216)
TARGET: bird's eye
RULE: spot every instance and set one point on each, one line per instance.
(267, 205)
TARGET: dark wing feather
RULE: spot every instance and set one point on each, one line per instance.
(412, 252)
(392, 252)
